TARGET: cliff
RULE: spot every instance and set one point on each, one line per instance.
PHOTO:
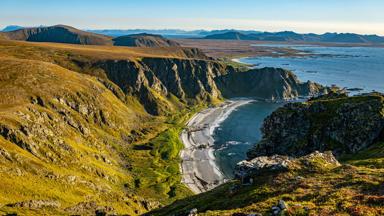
(338, 123)
(266, 83)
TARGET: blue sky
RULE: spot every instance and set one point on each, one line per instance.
(360, 16)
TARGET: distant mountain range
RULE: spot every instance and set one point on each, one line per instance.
(226, 34)
(68, 34)
(292, 36)
(172, 33)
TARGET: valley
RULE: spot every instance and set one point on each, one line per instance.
(99, 125)
(96, 128)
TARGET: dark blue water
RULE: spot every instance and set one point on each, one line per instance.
(350, 67)
(239, 132)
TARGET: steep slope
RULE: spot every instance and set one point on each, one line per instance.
(313, 183)
(63, 136)
(58, 34)
(144, 40)
(266, 83)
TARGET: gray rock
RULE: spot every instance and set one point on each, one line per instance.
(192, 212)
(35, 204)
(277, 163)
(282, 205)
(260, 165)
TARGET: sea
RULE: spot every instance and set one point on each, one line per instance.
(358, 69)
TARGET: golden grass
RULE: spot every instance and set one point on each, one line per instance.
(96, 52)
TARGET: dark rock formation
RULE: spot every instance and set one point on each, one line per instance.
(340, 124)
(144, 40)
(266, 83)
(154, 81)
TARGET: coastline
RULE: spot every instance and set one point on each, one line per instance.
(198, 167)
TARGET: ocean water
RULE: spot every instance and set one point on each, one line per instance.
(239, 132)
(350, 67)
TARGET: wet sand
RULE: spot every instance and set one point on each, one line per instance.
(199, 170)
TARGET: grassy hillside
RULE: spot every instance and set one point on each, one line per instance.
(72, 143)
(95, 128)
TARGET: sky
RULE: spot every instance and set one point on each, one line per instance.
(304, 16)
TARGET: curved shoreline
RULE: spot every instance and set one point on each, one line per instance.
(199, 169)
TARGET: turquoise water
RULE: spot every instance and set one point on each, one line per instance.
(350, 67)
(239, 132)
(355, 67)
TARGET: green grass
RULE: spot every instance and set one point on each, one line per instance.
(157, 163)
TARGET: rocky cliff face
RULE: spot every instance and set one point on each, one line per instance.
(266, 83)
(154, 81)
(340, 124)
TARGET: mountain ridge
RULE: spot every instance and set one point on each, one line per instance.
(289, 36)
(70, 35)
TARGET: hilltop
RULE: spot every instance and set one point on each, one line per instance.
(58, 34)
(144, 40)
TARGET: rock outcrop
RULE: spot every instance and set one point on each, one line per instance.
(335, 123)
(267, 165)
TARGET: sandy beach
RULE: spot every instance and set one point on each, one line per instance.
(199, 170)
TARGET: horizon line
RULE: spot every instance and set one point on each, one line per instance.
(197, 29)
